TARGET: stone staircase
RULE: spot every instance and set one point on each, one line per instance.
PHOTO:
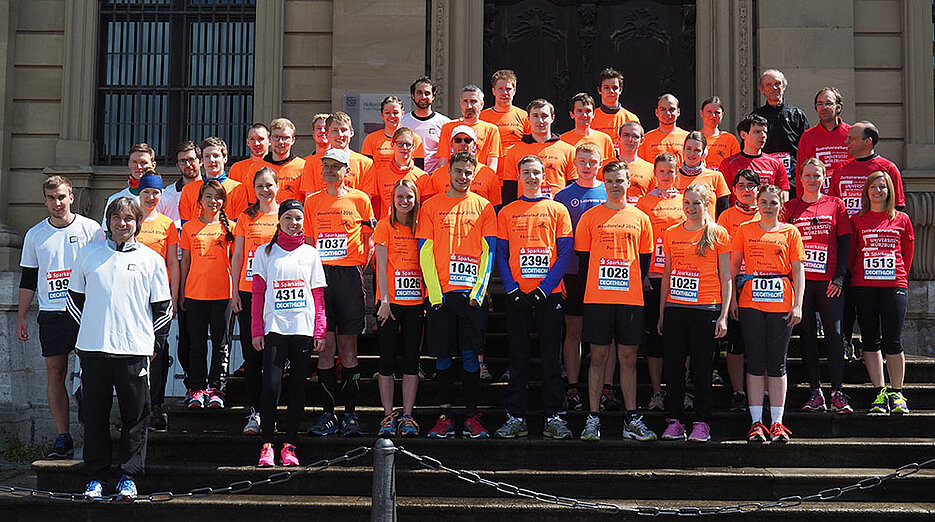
(205, 448)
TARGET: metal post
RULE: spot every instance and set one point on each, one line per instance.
(383, 503)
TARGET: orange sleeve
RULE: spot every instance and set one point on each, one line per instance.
(720, 186)
(186, 240)
(563, 223)
(723, 241)
(646, 235)
(494, 144)
(796, 247)
(503, 225)
(570, 173)
(309, 218)
(444, 140)
(418, 150)
(186, 202)
(583, 233)
(425, 187)
(368, 181)
(308, 183)
(488, 221)
(508, 168)
(238, 200)
(172, 234)
(368, 148)
(736, 244)
(381, 232)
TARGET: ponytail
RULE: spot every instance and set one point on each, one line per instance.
(269, 246)
(228, 235)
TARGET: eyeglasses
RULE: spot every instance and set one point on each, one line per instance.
(281, 138)
(631, 136)
(462, 140)
(822, 105)
(403, 144)
(187, 161)
(741, 186)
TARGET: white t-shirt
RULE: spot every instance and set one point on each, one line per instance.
(429, 130)
(169, 204)
(53, 251)
(119, 287)
(288, 307)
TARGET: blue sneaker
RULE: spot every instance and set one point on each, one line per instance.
(388, 426)
(94, 490)
(327, 424)
(350, 426)
(63, 448)
(408, 427)
(126, 489)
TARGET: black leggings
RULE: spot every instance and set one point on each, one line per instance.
(296, 348)
(881, 310)
(766, 336)
(410, 319)
(202, 315)
(831, 310)
(252, 359)
(654, 344)
(688, 332)
(159, 373)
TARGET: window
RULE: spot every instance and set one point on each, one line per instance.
(173, 70)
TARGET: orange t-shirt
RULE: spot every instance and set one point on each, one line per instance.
(209, 275)
(489, 144)
(256, 231)
(189, 208)
(379, 147)
(533, 228)
(457, 228)
(559, 159)
(158, 233)
(288, 176)
(312, 181)
(338, 226)
(610, 122)
(615, 239)
(768, 253)
(379, 179)
(403, 273)
(732, 218)
(712, 179)
(694, 279)
(512, 124)
(602, 140)
(663, 213)
(721, 147)
(655, 142)
(243, 172)
(642, 179)
(486, 183)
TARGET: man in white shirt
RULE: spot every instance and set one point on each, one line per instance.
(423, 121)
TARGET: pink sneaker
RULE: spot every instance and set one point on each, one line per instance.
(288, 455)
(700, 432)
(266, 456)
(674, 431)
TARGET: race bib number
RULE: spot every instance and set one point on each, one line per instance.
(785, 158)
(248, 273)
(289, 294)
(614, 274)
(546, 190)
(659, 257)
(879, 266)
(408, 285)
(852, 204)
(766, 290)
(816, 258)
(462, 270)
(534, 262)
(332, 246)
(683, 286)
(58, 284)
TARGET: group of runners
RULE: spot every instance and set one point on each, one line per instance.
(659, 243)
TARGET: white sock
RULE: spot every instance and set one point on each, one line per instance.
(775, 413)
(756, 413)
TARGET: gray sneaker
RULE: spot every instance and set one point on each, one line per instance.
(592, 428)
(657, 402)
(512, 428)
(636, 429)
(253, 424)
(556, 428)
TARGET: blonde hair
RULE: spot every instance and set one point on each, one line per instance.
(709, 227)
(890, 209)
(409, 184)
(281, 124)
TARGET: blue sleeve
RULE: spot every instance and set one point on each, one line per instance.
(503, 263)
(566, 248)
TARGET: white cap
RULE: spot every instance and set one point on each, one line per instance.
(464, 129)
(339, 155)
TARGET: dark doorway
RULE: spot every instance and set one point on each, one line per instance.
(558, 47)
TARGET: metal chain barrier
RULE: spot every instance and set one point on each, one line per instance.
(241, 486)
(653, 511)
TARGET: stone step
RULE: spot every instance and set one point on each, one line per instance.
(748, 483)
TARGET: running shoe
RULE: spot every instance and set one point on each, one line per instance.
(758, 433)
(327, 424)
(506, 376)
(197, 400)
(388, 426)
(897, 403)
(700, 432)
(716, 377)
(657, 402)
(473, 428)
(573, 398)
(738, 401)
(126, 489)
(688, 403)
(266, 456)
(485, 373)
(779, 433)
(444, 428)
(609, 400)
(288, 455)
(674, 431)
(592, 428)
(816, 402)
(62, 448)
(253, 423)
(188, 396)
(881, 405)
(407, 427)
(636, 429)
(556, 428)
(840, 403)
(239, 372)
(158, 420)
(94, 490)
(350, 426)
(513, 427)
(215, 398)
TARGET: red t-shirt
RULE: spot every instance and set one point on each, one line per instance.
(849, 177)
(820, 223)
(828, 146)
(770, 170)
(881, 250)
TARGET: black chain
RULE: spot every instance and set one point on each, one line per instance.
(653, 511)
(241, 486)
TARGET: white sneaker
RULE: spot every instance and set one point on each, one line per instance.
(253, 424)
